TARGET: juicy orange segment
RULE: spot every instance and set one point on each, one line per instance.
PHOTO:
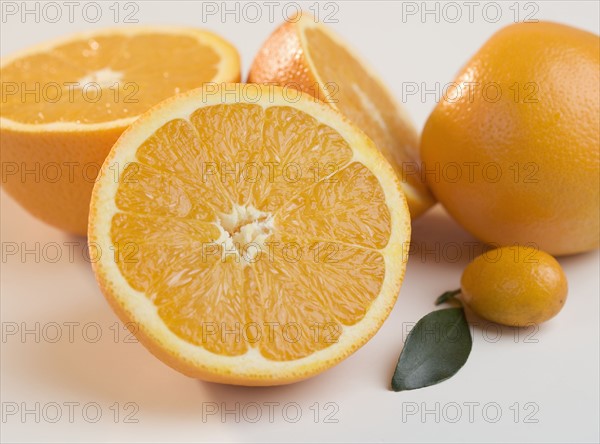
(349, 206)
(307, 56)
(232, 236)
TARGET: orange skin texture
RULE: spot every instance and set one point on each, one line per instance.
(62, 198)
(541, 138)
(515, 286)
(282, 61)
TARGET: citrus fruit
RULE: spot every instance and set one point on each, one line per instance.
(306, 55)
(512, 150)
(516, 286)
(253, 239)
(65, 103)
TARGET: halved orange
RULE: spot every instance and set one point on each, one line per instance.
(309, 56)
(65, 103)
(252, 236)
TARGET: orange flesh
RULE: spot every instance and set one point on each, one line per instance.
(358, 96)
(314, 218)
(114, 77)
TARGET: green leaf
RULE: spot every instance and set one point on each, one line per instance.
(436, 348)
(446, 296)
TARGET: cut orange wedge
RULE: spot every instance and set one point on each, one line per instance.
(252, 237)
(309, 56)
(66, 102)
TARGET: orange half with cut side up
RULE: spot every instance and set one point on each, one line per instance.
(66, 102)
(252, 239)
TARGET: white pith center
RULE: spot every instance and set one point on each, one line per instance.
(244, 233)
(104, 77)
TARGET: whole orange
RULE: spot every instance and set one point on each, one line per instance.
(512, 150)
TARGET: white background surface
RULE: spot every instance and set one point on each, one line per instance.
(552, 373)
